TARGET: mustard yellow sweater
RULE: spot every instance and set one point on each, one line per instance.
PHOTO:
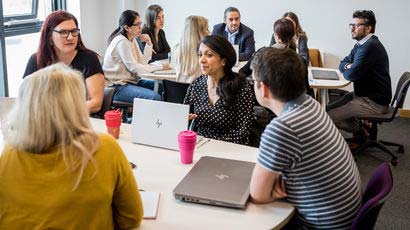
(36, 191)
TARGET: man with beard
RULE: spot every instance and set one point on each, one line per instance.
(236, 33)
(367, 66)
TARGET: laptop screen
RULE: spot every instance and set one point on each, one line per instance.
(325, 74)
(157, 123)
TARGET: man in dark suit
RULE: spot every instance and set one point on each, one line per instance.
(236, 33)
(367, 66)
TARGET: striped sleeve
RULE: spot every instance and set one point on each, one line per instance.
(280, 148)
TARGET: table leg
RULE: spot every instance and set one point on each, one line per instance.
(156, 85)
(323, 97)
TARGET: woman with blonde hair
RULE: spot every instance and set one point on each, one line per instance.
(186, 51)
(55, 171)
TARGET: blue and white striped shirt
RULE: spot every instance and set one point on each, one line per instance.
(322, 180)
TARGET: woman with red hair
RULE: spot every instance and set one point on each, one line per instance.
(60, 41)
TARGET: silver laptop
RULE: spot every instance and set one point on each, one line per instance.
(158, 123)
(216, 181)
(325, 74)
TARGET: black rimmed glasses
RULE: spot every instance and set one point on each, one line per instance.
(356, 25)
(66, 33)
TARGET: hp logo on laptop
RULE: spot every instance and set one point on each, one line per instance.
(158, 123)
(222, 176)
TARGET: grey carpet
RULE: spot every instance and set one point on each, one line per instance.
(395, 213)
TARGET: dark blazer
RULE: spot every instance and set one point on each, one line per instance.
(161, 48)
(369, 71)
(245, 39)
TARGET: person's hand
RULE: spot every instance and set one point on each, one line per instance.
(145, 38)
(348, 66)
(192, 116)
(166, 66)
(279, 188)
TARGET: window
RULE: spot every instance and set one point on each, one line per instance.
(24, 16)
(20, 22)
(16, 10)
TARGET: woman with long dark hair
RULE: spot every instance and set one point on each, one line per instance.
(222, 101)
(123, 61)
(284, 32)
(60, 41)
(154, 24)
(299, 38)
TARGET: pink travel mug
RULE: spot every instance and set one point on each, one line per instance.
(113, 122)
(186, 143)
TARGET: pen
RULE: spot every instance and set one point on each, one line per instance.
(198, 146)
(191, 127)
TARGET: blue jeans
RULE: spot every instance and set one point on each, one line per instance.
(144, 89)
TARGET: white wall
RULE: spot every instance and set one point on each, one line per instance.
(326, 23)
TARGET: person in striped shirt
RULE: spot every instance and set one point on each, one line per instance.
(302, 156)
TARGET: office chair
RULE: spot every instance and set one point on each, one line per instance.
(123, 106)
(377, 191)
(315, 58)
(174, 91)
(106, 104)
(374, 119)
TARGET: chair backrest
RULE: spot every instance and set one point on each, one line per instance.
(174, 91)
(400, 94)
(107, 101)
(315, 58)
(378, 189)
(401, 90)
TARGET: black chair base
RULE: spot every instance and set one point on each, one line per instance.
(372, 141)
(392, 112)
(380, 145)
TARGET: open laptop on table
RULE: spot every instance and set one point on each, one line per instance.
(216, 181)
(325, 74)
(158, 123)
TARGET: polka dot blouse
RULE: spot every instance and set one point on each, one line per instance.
(219, 121)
